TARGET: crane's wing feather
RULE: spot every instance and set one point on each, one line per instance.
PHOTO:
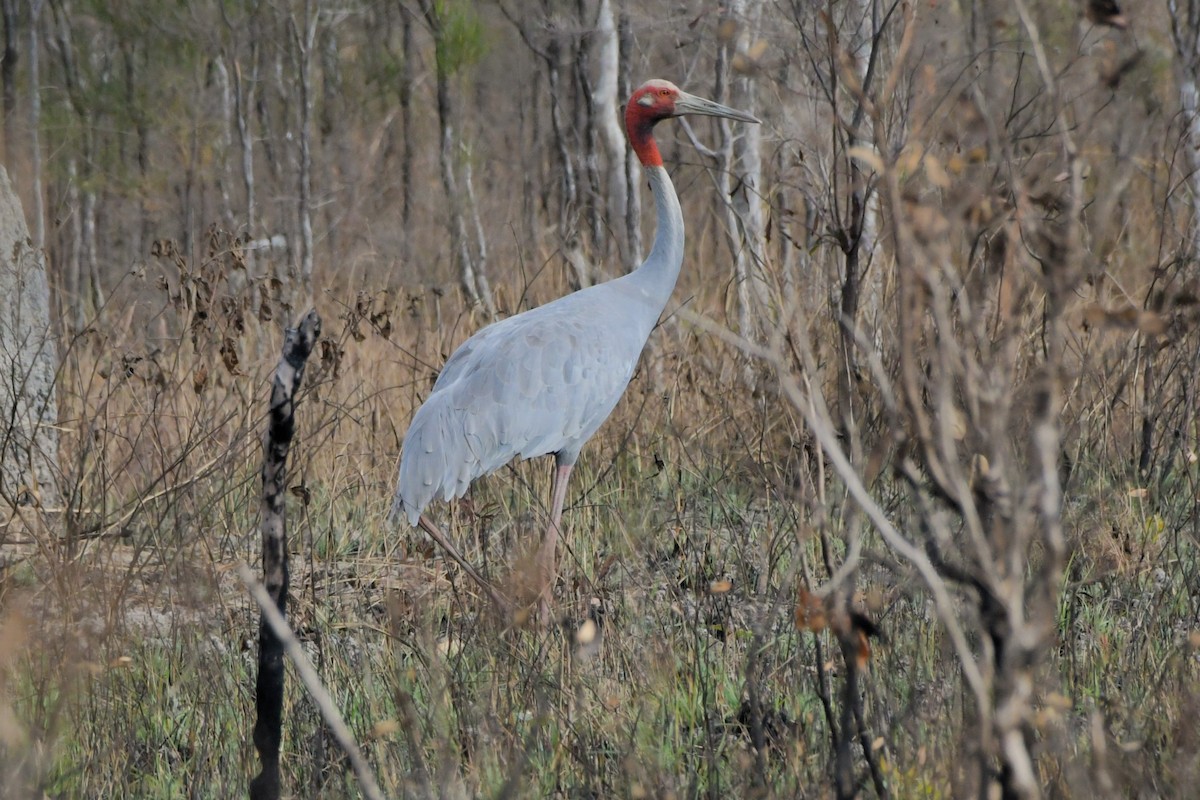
(541, 382)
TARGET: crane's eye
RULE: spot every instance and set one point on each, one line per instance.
(664, 92)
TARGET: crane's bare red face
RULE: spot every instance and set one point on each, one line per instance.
(656, 100)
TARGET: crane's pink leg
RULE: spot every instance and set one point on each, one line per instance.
(435, 534)
(546, 557)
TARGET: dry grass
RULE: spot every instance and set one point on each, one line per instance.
(127, 639)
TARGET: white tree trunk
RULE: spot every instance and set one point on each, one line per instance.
(28, 358)
(1189, 98)
(633, 169)
(606, 101)
(225, 139)
(306, 34)
(741, 153)
(1185, 33)
(35, 125)
(481, 248)
(863, 43)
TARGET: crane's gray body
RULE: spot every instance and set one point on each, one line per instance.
(542, 381)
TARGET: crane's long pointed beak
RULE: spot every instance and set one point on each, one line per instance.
(690, 104)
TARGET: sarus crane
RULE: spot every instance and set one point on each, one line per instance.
(542, 382)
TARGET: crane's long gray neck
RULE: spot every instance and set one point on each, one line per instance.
(660, 270)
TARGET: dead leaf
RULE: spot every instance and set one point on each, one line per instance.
(199, 379)
(1151, 323)
(862, 655)
(810, 612)
(936, 172)
(383, 729)
(229, 356)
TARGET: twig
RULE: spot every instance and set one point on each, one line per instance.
(312, 682)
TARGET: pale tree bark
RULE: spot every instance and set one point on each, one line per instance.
(8, 72)
(455, 221)
(606, 101)
(143, 230)
(243, 100)
(70, 259)
(533, 188)
(550, 55)
(91, 252)
(84, 268)
(568, 208)
(740, 178)
(28, 357)
(633, 170)
(38, 216)
(408, 154)
(590, 198)
(305, 33)
(220, 77)
(481, 248)
(1185, 33)
(243, 96)
(866, 199)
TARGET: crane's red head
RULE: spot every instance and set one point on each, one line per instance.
(656, 100)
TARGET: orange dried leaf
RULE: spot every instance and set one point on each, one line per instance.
(1151, 324)
(863, 655)
(383, 729)
(810, 612)
(199, 379)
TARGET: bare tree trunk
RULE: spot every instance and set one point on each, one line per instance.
(456, 224)
(606, 102)
(590, 198)
(741, 158)
(568, 207)
(866, 198)
(243, 101)
(1185, 32)
(221, 77)
(140, 232)
(28, 357)
(408, 155)
(8, 73)
(454, 221)
(38, 215)
(71, 256)
(277, 442)
(84, 268)
(481, 248)
(90, 256)
(305, 37)
(633, 170)
(531, 131)
(858, 228)
(550, 55)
